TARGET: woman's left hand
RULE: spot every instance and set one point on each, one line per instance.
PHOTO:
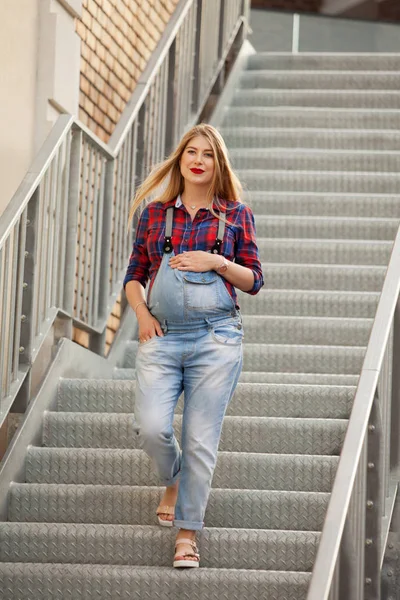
(196, 260)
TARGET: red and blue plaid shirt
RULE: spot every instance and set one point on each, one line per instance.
(239, 243)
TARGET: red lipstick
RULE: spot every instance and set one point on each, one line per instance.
(197, 171)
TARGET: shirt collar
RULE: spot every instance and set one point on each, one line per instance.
(178, 203)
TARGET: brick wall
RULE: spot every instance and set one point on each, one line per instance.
(295, 5)
(118, 38)
(389, 9)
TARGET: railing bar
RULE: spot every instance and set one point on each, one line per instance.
(13, 314)
(159, 116)
(128, 194)
(56, 274)
(99, 289)
(39, 252)
(185, 74)
(118, 217)
(51, 256)
(4, 263)
(42, 273)
(19, 282)
(93, 257)
(81, 232)
(123, 200)
(87, 236)
(64, 220)
(6, 330)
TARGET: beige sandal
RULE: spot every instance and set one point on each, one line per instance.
(165, 510)
(184, 560)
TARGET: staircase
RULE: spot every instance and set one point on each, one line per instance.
(315, 140)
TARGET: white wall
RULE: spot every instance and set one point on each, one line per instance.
(39, 79)
(18, 64)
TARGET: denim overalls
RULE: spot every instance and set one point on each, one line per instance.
(200, 354)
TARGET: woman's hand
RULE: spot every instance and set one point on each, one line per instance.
(196, 260)
(148, 325)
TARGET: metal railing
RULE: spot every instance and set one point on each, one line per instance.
(64, 244)
(350, 555)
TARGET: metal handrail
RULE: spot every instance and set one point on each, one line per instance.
(63, 240)
(369, 460)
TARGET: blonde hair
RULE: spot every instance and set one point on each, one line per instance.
(225, 184)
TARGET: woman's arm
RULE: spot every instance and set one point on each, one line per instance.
(197, 260)
(148, 325)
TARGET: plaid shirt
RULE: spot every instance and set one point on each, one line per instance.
(239, 242)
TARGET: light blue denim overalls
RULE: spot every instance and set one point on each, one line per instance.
(200, 354)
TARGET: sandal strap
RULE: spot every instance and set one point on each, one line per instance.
(165, 510)
(186, 541)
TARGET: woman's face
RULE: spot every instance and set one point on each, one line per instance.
(197, 161)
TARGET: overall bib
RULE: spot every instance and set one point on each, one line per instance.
(201, 355)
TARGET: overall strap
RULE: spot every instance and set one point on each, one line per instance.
(168, 230)
(167, 248)
(216, 249)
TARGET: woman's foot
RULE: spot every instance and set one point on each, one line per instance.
(186, 551)
(167, 504)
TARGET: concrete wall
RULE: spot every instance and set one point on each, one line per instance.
(18, 63)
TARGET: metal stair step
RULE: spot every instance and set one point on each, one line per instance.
(323, 277)
(137, 583)
(324, 98)
(320, 79)
(234, 470)
(298, 378)
(320, 181)
(129, 505)
(239, 434)
(325, 61)
(306, 159)
(324, 251)
(306, 330)
(314, 139)
(333, 228)
(290, 358)
(249, 399)
(309, 303)
(81, 543)
(321, 118)
(312, 204)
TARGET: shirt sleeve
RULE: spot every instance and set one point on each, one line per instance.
(139, 261)
(247, 253)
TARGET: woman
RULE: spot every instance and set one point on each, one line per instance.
(195, 243)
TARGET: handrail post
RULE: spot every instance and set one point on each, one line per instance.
(196, 66)
(375, 503)
(97, 342)
(72, 224)
(171, 100)
(395, 399)
(28, 295)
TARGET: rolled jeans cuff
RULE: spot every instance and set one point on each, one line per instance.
(194, 525)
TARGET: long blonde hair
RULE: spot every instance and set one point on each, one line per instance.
(225, 184)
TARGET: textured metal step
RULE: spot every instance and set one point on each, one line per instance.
(321, 80)
(244, 509)
(81, 543)
(324, 205)
(234, 470)
(290, 358)
(371, 99)
(239, 434)
(318, 139)
(110, 582)
(331, 228)
(298, 378)
(305, 159)
(310, 303)
(307, 330)
(330, 118)
(320, 181)
(321, 61)
(323, 277)
(335, 251)
(249, 376)
(257, 400)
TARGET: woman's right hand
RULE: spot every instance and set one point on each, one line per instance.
(148, 325)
